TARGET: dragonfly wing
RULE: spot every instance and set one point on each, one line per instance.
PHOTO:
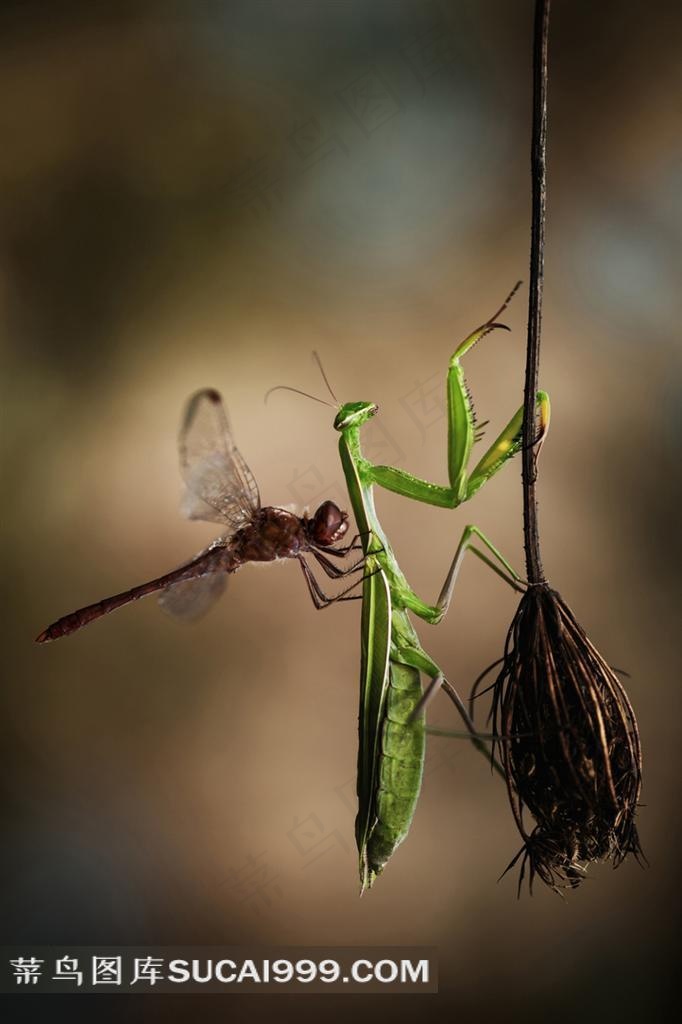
(220, 486)
(194, 507)
(191, 599)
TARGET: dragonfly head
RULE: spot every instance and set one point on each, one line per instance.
(328, 525)
(354, 414)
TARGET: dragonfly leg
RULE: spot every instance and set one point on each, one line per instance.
(319, 598)
(333, 571)
(354, 545)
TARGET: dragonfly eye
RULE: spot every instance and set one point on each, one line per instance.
(329, 524)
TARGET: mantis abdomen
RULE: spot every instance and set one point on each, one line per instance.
(400, 767)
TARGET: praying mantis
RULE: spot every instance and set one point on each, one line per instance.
(391, 720)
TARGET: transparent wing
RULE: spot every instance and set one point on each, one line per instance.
(191, 599)
(220, 486)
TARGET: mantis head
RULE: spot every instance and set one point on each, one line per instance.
(354, 414)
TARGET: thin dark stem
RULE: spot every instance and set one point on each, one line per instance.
(534, 570)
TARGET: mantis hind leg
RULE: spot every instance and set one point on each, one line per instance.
(419, 659)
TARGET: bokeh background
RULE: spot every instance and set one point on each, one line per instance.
(200, 195)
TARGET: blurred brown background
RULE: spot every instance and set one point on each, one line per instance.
(200, 195)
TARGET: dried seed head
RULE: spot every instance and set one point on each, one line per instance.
(569, 744)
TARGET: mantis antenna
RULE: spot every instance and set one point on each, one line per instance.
(298, 391)
(317, 359)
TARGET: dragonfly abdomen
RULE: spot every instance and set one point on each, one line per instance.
(214, 559)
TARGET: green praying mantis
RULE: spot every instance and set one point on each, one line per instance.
(391, 720)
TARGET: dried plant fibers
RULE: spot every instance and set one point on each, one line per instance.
(563, 724)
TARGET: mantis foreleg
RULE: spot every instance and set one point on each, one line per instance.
(503, 448)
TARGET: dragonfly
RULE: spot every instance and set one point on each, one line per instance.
(220, 488)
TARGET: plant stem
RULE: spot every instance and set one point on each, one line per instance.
(531, 538)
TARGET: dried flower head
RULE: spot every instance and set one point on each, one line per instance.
(569, 744)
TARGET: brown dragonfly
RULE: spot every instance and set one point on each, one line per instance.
(221, 489)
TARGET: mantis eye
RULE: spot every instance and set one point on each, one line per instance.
(329, 524)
